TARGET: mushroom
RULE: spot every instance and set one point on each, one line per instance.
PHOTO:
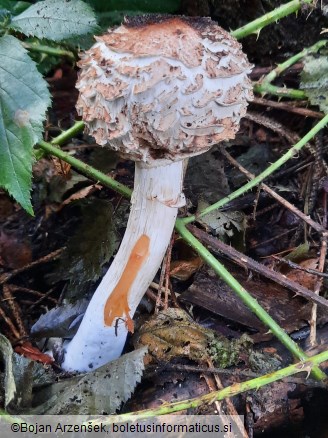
(158, 89)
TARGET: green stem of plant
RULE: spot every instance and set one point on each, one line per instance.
(85, 168)
(242, 293)
(264, 85)
(267, 172)
(292, 60)
(254, 27)
(290, 93)
(69, 133)
(53, 51)
(229, 391)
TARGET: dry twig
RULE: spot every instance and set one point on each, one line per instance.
(285, 106)
(15, 309)
(319, 228)
(247, 262)
(49, 257)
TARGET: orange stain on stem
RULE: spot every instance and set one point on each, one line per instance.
(117, 303)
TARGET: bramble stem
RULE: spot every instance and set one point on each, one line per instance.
(292, 60)
(264, 86)
(87, 170)
(255, 26)
(53, 51)
(229, 391)
(289, 93)
(69, 133)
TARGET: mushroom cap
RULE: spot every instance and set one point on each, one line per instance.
(163, 87)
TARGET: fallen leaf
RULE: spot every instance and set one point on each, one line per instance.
(184, 269)
(60, 322)
(99, 392)
(222, 223)
(172, 333)
(83, 193)
(299, 253)
(304, 278)
(27, 350)
(62, 168)
(208, 291)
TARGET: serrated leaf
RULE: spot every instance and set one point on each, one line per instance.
(56, 20)
(24, 98)
(314, 80)
(103, 390)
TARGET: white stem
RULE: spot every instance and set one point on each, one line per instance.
(108, 318)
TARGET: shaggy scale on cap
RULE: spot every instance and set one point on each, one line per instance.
(163, 87)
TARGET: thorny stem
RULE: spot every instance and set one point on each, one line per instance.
(63, 137)
(69, 133)
(292, 60)
(267, 172)
(125, 191)
(53, 51)
(255, 26)
(319, 228)
(264, 86)
(279, 91)
(229, 391)
(86, 169)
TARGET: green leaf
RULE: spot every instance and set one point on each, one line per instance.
(13, 6)
(6, 4)
(24, 98)
(56, 20)
(314, 80)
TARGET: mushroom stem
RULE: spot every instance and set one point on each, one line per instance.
(155, 201)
